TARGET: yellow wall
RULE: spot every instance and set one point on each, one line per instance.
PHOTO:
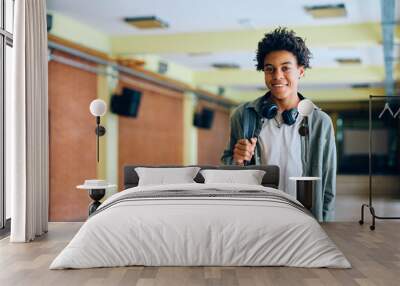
(175, 71)
(344, 74)
(189, 131)
(246, 40)
(77, 32)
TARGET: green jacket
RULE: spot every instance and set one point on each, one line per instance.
(318, 152)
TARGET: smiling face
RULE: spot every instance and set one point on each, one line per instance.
(282, 74)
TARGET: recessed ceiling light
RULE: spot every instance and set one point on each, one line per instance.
(349, 61)
(225, 66)
(148, 22)
(326, 11)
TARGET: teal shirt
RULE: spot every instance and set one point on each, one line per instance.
(318, 152)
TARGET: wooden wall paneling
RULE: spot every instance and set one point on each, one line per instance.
(155, 136)
(72, 139)
(212, 142)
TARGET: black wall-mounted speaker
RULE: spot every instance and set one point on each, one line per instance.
(162, 67)
(49, 20)
(126, 104)
(204, 119)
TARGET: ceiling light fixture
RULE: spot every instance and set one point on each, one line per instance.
(148, 22)
(225, 65)
(360, 85)
(326, 11)
(349, 61)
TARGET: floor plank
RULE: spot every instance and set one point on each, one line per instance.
(375, 257)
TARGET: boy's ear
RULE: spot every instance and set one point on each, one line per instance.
(301, 71)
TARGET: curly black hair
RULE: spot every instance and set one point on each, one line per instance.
(283, 39)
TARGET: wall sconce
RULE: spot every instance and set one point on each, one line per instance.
(98, 108)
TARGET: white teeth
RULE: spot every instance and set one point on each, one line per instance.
(278, 85)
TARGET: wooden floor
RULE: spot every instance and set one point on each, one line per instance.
(374, 255)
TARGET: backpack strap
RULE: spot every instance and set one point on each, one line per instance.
(249, 123)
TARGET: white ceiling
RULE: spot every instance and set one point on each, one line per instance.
(184, 16)
(208, 15)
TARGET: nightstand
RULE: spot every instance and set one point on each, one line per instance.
(96, 190)
(305, 188)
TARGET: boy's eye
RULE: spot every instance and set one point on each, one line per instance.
(268, 69)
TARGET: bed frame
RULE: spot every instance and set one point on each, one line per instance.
(270, 179)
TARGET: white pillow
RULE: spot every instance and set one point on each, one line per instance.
(162, 176)
(248, 177)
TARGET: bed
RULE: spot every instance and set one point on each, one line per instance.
(201, 224)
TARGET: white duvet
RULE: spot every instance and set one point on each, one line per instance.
(185, 231)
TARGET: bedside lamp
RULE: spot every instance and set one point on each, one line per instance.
(98, 108)
(305, 108)
(305, 186)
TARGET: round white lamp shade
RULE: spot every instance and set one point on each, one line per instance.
(98, 107)
(305, 107)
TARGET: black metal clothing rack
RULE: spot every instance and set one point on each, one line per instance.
(369, 205)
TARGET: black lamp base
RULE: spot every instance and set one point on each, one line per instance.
(305, 193)
(100, 130)
(96, 195)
